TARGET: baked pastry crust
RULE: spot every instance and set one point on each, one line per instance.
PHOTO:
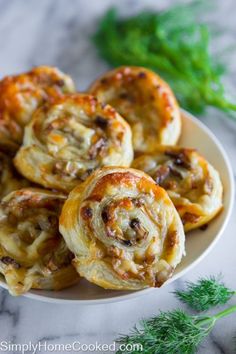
(123, 229)
(33, 254)
(10, 180)
(145, 101)
(67, 140)
(21, 95)
(191, 181)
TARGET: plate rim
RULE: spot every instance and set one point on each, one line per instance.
(142, 292)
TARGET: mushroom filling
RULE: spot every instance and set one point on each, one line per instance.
(78, 147)
(34, 228)
(121, 223)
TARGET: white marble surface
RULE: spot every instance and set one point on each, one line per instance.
(57, 32)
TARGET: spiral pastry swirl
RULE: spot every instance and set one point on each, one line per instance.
(123, 229)
(33, 254)
(21, 95)
(9, 178)
(70, 138)
(191, 181)
(145, 101)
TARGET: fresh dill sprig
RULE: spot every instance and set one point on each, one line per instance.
(205, 293)
(175, 45)
(173, 332)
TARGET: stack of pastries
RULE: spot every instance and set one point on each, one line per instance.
(93, 185)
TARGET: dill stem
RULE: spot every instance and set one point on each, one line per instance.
(225, 312)
(217, 316)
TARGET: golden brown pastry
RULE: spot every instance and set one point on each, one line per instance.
(123, 229)
(10, 180)
(33, 254)
(20, 95)
(145, 101)
(68, 139)
(192, 183)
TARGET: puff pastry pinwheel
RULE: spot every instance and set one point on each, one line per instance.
(9, 178)
(123, 229)
(33, 254)
(192, 183)
(145, 101)
(70, 138)
(20, 95)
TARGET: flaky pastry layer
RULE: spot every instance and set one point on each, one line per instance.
(21, 95)
(123, 229)
(145, 101)
(67, 140)
(191, 181)
(33, 254)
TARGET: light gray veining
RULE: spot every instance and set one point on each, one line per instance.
(57, 33)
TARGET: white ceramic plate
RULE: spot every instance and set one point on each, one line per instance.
(198, 243)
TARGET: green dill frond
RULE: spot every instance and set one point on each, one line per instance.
(175, 45)
(173, 332)
(205, 293)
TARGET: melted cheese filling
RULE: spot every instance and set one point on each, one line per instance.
(31, 247)
(191, 182)
(130, 236)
